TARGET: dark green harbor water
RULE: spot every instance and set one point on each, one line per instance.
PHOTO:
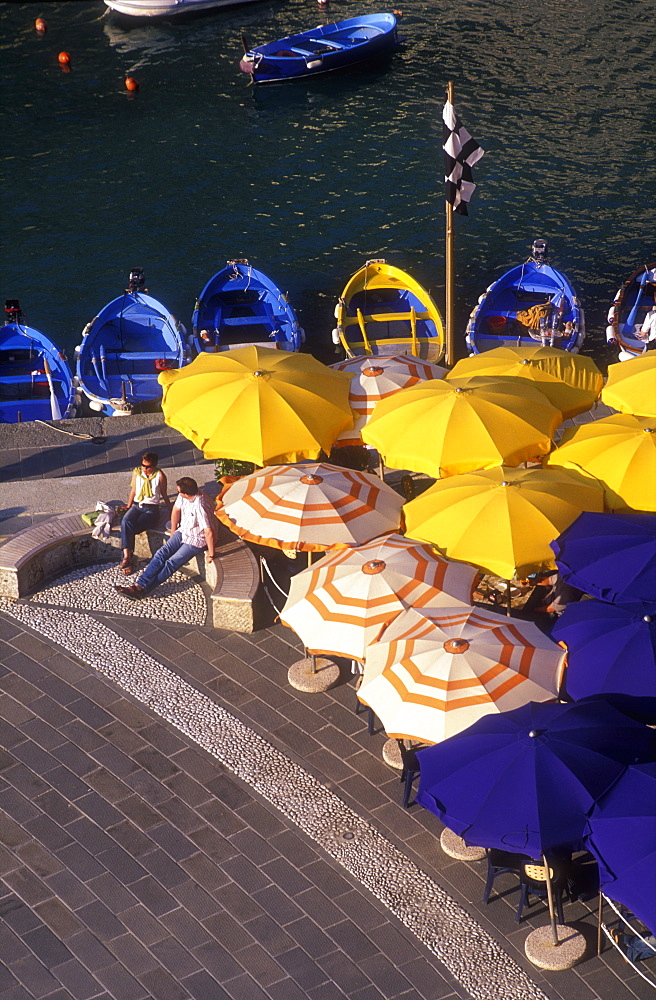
(309, 179)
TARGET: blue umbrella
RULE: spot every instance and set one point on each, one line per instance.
(610, 556)
(623, 840)
(611, 649)
(525, 780)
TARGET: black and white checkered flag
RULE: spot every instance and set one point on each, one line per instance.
(461, 152)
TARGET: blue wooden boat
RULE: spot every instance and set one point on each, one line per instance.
(626, 315)
(530, 303)
(240, 306)
(36, 382)
(125, 347)
(322, 49)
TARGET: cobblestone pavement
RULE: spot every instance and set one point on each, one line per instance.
(135, 862)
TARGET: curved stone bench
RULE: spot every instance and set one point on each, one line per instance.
(64, 542)
(234, 577)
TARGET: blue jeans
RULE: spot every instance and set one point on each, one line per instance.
(135, 520)
(172, 555)
(637, 950)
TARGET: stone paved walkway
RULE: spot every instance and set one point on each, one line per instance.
(172, 812)
(136, 865)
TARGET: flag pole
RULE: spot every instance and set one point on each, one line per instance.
(450, 267)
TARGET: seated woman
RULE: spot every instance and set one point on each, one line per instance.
(148, 488)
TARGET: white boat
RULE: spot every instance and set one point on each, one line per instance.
(167, 8)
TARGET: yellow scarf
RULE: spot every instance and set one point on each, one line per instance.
(146, 490)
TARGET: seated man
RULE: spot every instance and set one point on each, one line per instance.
(193, 529)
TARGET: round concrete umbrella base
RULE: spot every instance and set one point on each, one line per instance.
(541, 950)
(455, 847)
(392, 754)
(301, 676)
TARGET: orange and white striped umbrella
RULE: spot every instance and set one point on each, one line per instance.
(433, 673)
(340, 605)
(310, 507)
(377, 378)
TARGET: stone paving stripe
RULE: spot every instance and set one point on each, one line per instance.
(466, 950)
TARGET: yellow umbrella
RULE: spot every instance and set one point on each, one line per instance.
(620, 451)
(257, 404)
(631, 386)
(447, 428)
(570, 382)
(436, 671)
(377, 378)
(502, 519)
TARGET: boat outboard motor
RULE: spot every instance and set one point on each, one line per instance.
(137, 281)
(13, 311)
(539, 251)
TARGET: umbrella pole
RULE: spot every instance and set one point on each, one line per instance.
(552, 911)
(508, 599)
(600, 917)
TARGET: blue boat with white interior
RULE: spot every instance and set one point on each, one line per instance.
(125, 347)
(322, 49)
(36, 382)
(240, 306)
(634, 300)
(532, 303)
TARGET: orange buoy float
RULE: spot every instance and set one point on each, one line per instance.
(131, 84)
(64, 58)
(40, 24)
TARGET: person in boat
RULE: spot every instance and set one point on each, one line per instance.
(194, 528)
(648, 329)
(148, 491)
(207, 339)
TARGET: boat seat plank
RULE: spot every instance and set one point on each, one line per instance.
(333, 43)
(140, 356)
(388, 317)
(243, 320)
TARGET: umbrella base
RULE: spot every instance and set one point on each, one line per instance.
(541, 951)
(392, 754)
(455, 847)
(301, 677)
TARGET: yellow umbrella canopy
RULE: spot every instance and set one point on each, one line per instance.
(631, 386)
(377, 378)
(502, 519)
(310, 507)
(448, 428)
(340, 605)
(570, 382)
(257, 404)
(620, 451)
(436, 671)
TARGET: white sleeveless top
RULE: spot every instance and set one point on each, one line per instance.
(157, 488)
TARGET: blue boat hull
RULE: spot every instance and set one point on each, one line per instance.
(25, 392)
(322, 49)
(124, 349)
(529, 304)
(240, 306)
